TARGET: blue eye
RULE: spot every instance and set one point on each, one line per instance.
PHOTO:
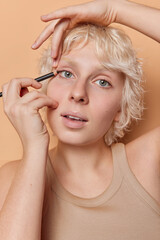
(66, 74)
(103, 83)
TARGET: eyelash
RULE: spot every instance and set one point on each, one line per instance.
(60, 72)
(109, 85)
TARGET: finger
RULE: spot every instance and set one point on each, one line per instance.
(15, 86)
(57, 38)
(57, 59)
(43, 102)
(31, 96)
(45, 34)
(67, 12)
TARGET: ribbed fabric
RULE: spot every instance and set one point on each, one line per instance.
(124, 211)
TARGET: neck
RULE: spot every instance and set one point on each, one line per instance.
(81, 160)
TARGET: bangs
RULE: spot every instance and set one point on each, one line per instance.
(115, 52)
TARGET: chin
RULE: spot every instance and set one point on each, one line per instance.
(78, 140)
(74, 141)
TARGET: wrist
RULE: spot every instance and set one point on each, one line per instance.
(36, 143)
(36, 151)
(121, 7)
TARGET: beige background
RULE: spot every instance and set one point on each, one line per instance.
(20, 25)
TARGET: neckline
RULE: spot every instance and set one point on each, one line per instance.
(135, 184)
(64, 194)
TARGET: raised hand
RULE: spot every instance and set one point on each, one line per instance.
(22, 109)
(102, 12)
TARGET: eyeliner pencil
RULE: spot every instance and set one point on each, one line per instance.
(44, 77)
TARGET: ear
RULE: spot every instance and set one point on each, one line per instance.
(117, 116)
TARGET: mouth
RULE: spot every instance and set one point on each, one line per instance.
(75, 117)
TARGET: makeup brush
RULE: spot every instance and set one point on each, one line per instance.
(42, 78)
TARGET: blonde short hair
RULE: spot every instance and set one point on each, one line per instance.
(115, 52)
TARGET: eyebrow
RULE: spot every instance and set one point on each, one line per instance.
(74, 64)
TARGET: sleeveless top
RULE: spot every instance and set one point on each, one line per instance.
(124, 211)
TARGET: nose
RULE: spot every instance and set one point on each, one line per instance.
(79, 93)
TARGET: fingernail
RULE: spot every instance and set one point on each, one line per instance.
(52, 54)
(55, 104)
(40, 84)
(43, 16)
(54, 65)
(34, 45)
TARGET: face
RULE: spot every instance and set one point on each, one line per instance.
(89, 98)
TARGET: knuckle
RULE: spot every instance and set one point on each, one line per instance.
(29, 109)
(9, 110)
(13, 80)
(16, 81)
(6, 109)
(20, 110)
(14, 110)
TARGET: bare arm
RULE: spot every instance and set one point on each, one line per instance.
(21, 213)
(140, 17)
(22, 200)
(103, 12)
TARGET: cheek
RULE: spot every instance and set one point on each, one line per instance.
(108, 104)
(106, 108)
(55, 91)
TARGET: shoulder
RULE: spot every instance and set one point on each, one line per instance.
(143, 155)
(7, 173)
(146, 146)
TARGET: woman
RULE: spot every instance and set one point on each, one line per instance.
(93, 190)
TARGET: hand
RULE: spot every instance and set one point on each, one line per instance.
(22, 109)
(102, 12)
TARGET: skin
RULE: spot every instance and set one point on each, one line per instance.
(18, 179)
(102, 12)
(101, 106)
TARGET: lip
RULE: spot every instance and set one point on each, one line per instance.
(71, 123)
(75, 114)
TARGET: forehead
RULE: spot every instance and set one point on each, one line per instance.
(85, 56)
(86, 60)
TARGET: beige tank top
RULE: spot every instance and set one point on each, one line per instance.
(124, 211)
